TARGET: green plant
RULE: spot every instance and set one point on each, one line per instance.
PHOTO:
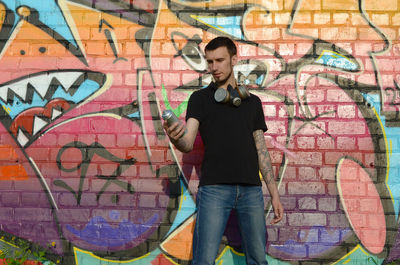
(18, 252)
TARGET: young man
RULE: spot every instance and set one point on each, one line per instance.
(235, 152)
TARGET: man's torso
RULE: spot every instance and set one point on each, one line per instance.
(227, 132)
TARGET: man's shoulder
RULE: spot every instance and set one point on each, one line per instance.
(202, 92)
(254, 97)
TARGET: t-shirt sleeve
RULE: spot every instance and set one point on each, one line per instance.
(259, 121)
(195, 108)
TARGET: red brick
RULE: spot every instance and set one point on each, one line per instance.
(308, 158)
(290, 173)
(327, 204)
(307, 219)
(336, 96)
(331, 189)
(151, 185)
(346, 128)
(172, 80)
(189, 77)
(327, 173)
(159, 63)
(306, 188)
(346, 143)
(305, 142)
(32, 214)
(307, 203)
(312, 128)
(307, 173)
(147, 201)
(325, 142)
(107, 140)
(39, 62)
(126, 140)
(346, 111)
(338, 220)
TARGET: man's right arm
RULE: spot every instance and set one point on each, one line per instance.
(182, 136)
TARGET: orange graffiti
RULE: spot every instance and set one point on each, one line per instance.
(10, 171)
(179, 243)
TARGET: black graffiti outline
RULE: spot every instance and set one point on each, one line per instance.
(87, 153)
(111, 40)
(310, 121)
(193, 44)
(395, 95)
(34, 19)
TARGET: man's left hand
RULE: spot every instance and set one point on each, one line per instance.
(278, 210)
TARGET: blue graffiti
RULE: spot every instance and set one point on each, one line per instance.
(336, 60)
(86, 89)
(313, 242)
(50, 14)
(259, 80)
(187, 207)
(228, 25)
(392, 180)
(100, 233)
(134, 115)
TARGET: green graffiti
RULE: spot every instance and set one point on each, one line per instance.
(180, 109)
(373, 260)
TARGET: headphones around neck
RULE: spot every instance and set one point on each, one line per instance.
(232, 95)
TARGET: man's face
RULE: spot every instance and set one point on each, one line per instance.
(220, 64)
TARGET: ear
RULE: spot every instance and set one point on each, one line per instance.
(234, 59)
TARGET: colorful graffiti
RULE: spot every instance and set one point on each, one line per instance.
(88, 175)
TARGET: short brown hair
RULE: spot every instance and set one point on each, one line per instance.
(222, 42)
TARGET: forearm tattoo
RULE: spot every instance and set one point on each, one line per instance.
(264, 160)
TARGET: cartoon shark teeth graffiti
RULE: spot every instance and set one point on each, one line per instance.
(41, 83)
(31, 103)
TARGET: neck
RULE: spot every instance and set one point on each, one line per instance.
(230, 81)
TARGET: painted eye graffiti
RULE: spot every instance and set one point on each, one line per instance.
(251, 72)
(190, 51)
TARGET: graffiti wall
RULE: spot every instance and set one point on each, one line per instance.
(88, 176)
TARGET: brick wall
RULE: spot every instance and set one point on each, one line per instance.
(88, 175)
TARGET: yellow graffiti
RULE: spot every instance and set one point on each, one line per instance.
(198, 18)
(76, 250)
(387, 154)
(333, 55)
(8, 243)
(170, 260)
(348, 254)
(8, 110)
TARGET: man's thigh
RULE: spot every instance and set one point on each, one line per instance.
(250, 209)
(214, 204)
(251, 218)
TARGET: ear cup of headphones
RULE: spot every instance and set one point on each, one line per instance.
(221, 95)
(243, 92)
(234, 95)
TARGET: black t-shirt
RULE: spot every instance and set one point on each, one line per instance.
(230, 154)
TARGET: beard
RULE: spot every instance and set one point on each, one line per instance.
(225, 80)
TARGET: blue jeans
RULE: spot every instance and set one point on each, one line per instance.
(214, 204)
